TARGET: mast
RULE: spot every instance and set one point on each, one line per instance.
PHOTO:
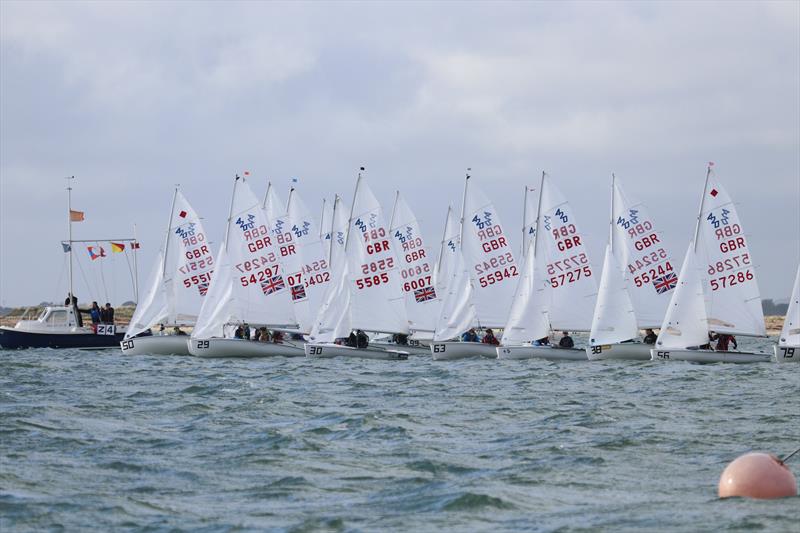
(136, 266)
(463, 208)
(700, 211)
(266, 194)
(352, 207)
(394, 209)
(230, 212)
(336, 202)
(524, 219)
(444, 236)
(69, 232)
(611, 221)
(166, 237)
(538, 215)
(322, 219)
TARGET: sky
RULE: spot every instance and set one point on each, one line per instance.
(134, 97)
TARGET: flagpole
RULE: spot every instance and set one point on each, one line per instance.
(69, 240)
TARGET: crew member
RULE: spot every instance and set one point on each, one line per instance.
(566, 341)
(489, 338)
(470, 336)
(650, 337)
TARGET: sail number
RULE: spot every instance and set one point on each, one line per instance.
(569, 263)
(498, 276)
(571, 276)
(648, 276)
(316, 266)
(319, 277)
(261, 275)
(377, 266)
(415, 270)
(424, 281)
(372, 281)
(495, 262)
(732, 263)
(731, 279)
(205, 277)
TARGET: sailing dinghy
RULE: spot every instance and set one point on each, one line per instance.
(366, 292)
(635, 298)
(788, 348)
(178, 284)
(484, 277)
(717, 289)
(250, 284)
(557, 285)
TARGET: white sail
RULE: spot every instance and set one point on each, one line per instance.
(529, 216)
(790, 334)
(488, 257)
(315, 269)
(446, 261)
(184, 270)
(685, 323)
(333, 318)
(733, 298)
(614, 318)
(249, 283)
(416, 269)
(569, 269)
(649, 267)
(376, 295)
(457, 311)
(529, 319)
(325, 227)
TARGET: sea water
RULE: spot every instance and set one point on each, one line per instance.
(98, 441)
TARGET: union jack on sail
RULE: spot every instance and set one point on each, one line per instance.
(665, 283)
(424, 294)
(298, 292)
(273, 284)
(203, 288)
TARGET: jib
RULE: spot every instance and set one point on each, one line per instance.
(566, 244)
(732, 244)
(638, 229)
(259, 244)
(380, 246)
(197, 252)
(646, 242)
(494, 244)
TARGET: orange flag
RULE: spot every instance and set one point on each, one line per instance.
(75, 216)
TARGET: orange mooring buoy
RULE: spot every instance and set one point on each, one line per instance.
(757, 475)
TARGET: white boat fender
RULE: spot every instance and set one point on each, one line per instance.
(758, 475)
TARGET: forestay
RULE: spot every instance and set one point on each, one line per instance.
(790, 334)
(316, 274)
(416, 268)
(376, 300)
(249, 283)
(685, 321)
(614, 318)
(569, 269)
(183, 271)
(733, 298)
(488, 258)
(638, 245)
(445, 264)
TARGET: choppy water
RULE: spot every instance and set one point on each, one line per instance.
(99, 441)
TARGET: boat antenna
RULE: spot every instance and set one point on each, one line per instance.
(69, 241)
(702, 204)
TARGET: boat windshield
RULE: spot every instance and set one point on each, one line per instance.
(57, 318)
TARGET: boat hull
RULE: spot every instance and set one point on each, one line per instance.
(541, 352)
(326, 350)
(708, 356)
(18, 339)
(626, 351)
(216, 347)
(787, 354)
(156, 345)
(412, 349)
(449, 351)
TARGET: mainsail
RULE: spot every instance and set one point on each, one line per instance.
(790, 334)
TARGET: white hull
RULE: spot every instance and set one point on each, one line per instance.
(412, 349)
(787, 354)
(448, 351)
(541, 352)
(626, 351)
(325, 350)
(243, 348)
(708, 356)
(156, 345)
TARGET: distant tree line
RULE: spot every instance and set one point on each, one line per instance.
(771, 308)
